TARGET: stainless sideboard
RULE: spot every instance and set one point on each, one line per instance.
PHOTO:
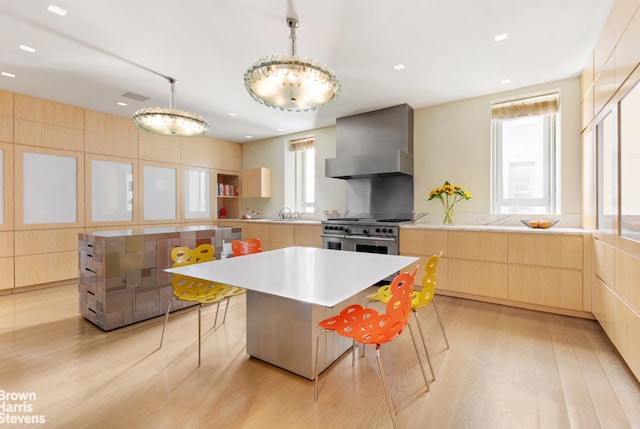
(121, 279)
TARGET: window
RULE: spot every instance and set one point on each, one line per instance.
(304, 162)
(524, 155)
(629, 162)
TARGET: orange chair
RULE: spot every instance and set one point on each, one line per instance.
(367, 326)
(419, 299)
(246, 248)
(196, 290)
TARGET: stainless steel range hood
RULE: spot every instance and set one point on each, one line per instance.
(374, 154)
(373, 144)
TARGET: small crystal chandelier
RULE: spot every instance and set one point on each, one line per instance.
(170, 122)
(289, 83)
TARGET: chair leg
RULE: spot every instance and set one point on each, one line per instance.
(225, 311)
(315, 379)
(215, 321)
(424, 344)
(440, 322)
(166, 319)
(386, 389)
(199, 333)
(415, 346)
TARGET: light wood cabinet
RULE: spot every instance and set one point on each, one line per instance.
(6, 116)
(616, 299)
(256, 183)
(307, 235)
(538, 271)
(277, 235)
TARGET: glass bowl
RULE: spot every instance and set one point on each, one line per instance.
(539, 223)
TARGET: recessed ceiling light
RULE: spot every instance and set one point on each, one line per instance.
(505, 81)
(500, 37)
(120, 103)
(57, 10)
(233, 114)
(399, 66)
(7, 74)
(248, 137)
(280, 129)
(27, 48)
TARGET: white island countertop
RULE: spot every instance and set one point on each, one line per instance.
(307, 274)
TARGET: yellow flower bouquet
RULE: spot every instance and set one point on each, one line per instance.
(449, 196)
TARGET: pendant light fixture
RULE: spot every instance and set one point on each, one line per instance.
(170, 122)
(289, 83)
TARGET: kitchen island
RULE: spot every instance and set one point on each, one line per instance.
(121, 279)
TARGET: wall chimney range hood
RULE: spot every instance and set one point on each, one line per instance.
(373, 144)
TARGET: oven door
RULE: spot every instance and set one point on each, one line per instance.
(363, 243)
(333, 242)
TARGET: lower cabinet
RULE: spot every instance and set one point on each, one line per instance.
(278, 234)
(542, 270)
(616, 298)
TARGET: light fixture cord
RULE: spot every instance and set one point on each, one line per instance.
(172, 81)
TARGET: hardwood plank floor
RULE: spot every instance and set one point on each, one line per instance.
(506, 368)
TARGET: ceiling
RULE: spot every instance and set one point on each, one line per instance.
(102, 49)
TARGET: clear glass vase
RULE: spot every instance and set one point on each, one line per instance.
(448, 215)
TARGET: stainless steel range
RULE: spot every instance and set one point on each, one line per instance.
(362, 235)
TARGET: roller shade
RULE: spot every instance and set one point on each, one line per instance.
(547, 104)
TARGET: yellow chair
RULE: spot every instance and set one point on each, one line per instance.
(419, 299)
(367, 326)
(196, 290)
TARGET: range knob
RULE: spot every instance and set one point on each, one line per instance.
(378, 230)
(384, 230)
(347, 230)
(365, 231)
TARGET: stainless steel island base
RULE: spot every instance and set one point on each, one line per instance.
(283, 331)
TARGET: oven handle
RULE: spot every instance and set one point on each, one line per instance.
(331, 236)
(365, 237)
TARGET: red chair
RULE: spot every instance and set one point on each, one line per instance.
(367, 326)
(246, 248)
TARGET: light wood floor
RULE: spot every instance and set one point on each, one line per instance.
(506, 368)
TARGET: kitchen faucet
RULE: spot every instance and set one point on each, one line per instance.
(285, 213)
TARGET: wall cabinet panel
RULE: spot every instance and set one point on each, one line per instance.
(6, 116)
(45, 268)
(110, 135)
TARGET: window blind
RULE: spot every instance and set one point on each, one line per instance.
(547, 104)
(301, 144)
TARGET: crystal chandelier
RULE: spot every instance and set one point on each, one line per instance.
(289, 83)
(170, 122)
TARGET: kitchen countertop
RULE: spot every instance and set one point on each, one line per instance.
(498, 228)
(435, 226)
(297, 221)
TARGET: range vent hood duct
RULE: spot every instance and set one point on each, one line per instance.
(373, 144)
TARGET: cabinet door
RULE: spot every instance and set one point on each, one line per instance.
(479, 246)
(308, 235)
(478, 278)
(553, 287)
(549, 250)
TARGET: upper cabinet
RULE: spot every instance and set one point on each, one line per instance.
(256, 183)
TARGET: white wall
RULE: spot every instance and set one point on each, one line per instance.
(451, 142)
(273, 153)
